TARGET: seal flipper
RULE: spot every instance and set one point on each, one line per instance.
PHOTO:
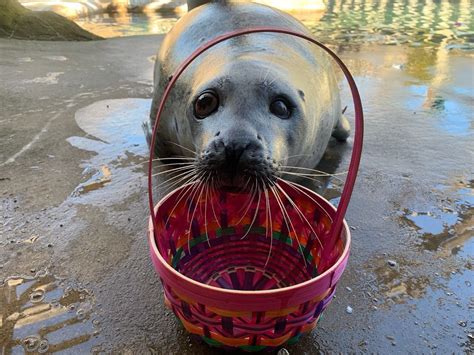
(342, 130)
(147, 129)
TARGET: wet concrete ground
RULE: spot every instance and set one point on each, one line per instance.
(74, 264)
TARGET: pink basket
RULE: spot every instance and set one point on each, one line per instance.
(256, 276)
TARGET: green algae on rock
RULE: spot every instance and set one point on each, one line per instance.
(20, 23)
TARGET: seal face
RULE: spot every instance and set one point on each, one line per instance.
(251, 107)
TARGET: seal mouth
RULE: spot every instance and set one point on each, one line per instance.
(244, 182)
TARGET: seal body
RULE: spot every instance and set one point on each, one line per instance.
(252, 106)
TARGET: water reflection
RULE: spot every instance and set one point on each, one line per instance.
(449, 229)
(343, 23)
(390, 22)
(127, 24)
(42, 315)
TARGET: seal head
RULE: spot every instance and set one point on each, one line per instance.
(251, 107)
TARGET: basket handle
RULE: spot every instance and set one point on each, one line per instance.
(359, 119)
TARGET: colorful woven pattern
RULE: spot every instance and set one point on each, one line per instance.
(238, 244)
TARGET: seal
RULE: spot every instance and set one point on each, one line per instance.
(253, 107)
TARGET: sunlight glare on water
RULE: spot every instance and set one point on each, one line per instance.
(352, 23)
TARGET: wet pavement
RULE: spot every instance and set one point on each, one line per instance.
(74, 267)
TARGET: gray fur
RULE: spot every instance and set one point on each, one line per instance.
(246, 71)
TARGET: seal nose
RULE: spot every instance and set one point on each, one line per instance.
(234, 153)
(235, 157)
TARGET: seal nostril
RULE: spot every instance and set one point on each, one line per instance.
(259, 137)
(217, 134)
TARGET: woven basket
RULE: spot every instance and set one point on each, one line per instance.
(251, 272)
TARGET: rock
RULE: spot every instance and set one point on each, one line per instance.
(18, 22)
(392, 263)
(349, 310)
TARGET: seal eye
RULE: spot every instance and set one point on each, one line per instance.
(280, 108)
(206, 104)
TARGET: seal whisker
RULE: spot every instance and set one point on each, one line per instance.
(271, 227)
(205, 213)
(315, 170)
(190, 203)
(195, 178)
(187, 189)
(294, 186)
(191, 199)
(170, 171)
(182, 146)
(250, 200)
(191, 163)
(191, 177)
(297, 209)
(308, 176)
(173, 178)
(259, 193)
(203, 185)
(246, 184)
(213, 190)
(283, 209)
(272, 188)
(167, 159)
(266, 76)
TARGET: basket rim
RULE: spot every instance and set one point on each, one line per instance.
(282, 290)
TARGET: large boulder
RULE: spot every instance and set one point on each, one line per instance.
(18, 22)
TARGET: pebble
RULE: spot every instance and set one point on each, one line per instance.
(463, 323)
(43, 346)
(349, 310)
(470, 336)
(468, 283)
(81, 314)
(31, 343)
(349, 289)
(390, 337)
(37, 296)
(283, 351)
(392, 263)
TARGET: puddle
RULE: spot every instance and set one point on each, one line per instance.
(449, 227)
(95, 180)
(114, 134)
(42, 314)
(436, 309)
(398, 282)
